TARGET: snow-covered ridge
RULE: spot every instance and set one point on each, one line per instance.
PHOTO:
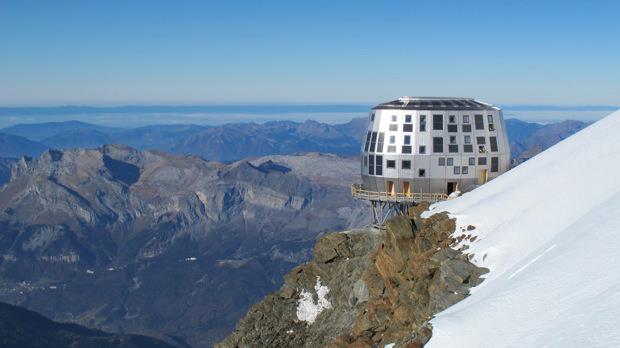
(549, 231)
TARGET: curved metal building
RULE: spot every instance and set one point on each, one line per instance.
(426, 148)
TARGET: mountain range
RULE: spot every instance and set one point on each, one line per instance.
(164, 245)
(231, 142)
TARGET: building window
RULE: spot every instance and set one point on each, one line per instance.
(407, 118)
(438, 122)
(494, 164)
(467, 139)
(490, 118)
(481, 149)
(479, 120)
(468, 148)
(421, 172)
(441, 161)
(493, 143)
(466, 128)
(394, 118)
(372, 117)
(380, 142)
(472, 161)
(422, 149)
(365, 161)
(464, 170)
(406, 149)
(390, 164)
(407, 140)
(394, 128)
(453, 128)
(367, 141)
(408, 127)
(392, 139)
(379, 165)
(438, 144)
(373, 141)
(406, 164)
(371, 164)
(457, 170)
(453, 147)
(480, 140)
(422, 123)
(450, 161)
(391, 148)
(451, 119)
(465, 119)
(482, 161)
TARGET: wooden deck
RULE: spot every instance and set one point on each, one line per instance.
(399, 197)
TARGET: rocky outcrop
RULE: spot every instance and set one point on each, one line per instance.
(147, 242)
(369, 288)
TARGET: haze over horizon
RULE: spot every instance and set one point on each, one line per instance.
(279, 52)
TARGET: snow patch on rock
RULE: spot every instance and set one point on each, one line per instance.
(307, 309)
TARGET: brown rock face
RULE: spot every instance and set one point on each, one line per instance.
(384, 287)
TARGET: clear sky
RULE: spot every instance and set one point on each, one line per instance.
(214, 52)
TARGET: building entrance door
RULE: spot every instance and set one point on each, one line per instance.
(407, 189)
(390, 188)
(483, 176)
(451, 187)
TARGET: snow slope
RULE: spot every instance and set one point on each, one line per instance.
(549, 231)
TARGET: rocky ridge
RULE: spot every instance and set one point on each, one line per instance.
(369, 288)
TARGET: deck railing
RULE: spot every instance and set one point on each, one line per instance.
(358, 192)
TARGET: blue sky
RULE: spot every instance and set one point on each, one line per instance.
(248, 52)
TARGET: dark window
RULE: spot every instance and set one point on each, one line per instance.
(408, 127)
(468, 148)
(465, 170)
(472, 161)
(406, 164)
(441, 161)
(450, 161)
(467, 128)
(373, 141)
(457, 170)
(407, 140)
(481, 149)
(437, 122)
(453, 128)
(372, 117)
(453, 148)
(493, 143)
(380, 142)
(479, 119)
(421, 172)
(465, 118)
(365, 161)
(438, 144)
(379, 166)
(482, 161)
(480, 140)
(491, 127)
(390, 164)
(367, 141)
(371, 164)
(494, 164)
(422, 123)
(407, 118)
(422, 149)
(451, 119)
(406, 149)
